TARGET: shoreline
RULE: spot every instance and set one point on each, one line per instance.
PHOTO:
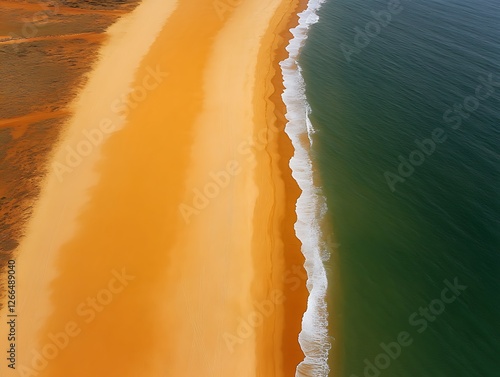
(311, 205)
(285, 215)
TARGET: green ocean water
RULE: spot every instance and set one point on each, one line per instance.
(407, 144)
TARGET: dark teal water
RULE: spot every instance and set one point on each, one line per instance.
(440, 219)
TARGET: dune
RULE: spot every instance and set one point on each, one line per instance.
(157, 246)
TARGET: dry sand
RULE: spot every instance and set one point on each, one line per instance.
(138, 288)
(44, 76)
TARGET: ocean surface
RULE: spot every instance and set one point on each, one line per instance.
(403, 141)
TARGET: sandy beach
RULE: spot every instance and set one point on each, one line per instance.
(164, 232)
(48, 51)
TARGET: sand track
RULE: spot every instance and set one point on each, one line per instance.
(52, 8)
(32, 118)
(90, 37)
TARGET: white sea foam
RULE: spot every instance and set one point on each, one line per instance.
(311, 205)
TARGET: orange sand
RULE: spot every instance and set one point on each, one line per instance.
(199, 294)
